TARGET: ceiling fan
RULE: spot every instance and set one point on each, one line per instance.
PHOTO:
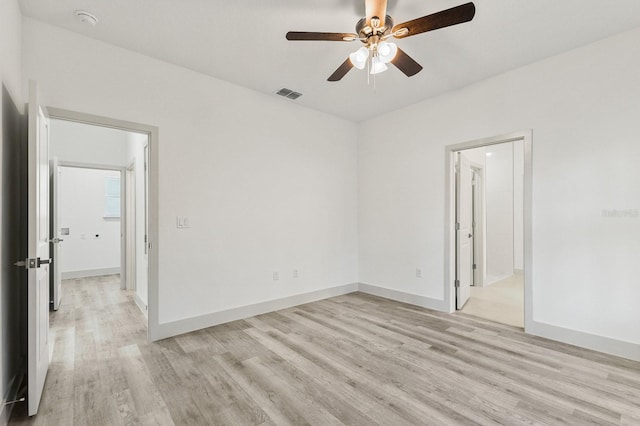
(376, 28)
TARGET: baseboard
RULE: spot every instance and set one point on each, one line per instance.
(141, 304)
(518, 272)
(573, 337)
(10, 395)
(174, 328)
(400, 296)
(89, 273)
(587, 340)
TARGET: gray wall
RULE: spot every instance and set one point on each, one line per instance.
(13, 288)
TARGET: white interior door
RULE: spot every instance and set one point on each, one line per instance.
(38, 243)
(464, 257)
(56, 238)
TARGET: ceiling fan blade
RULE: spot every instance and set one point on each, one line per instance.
(406, 63)
(435, 21)
(341, 71)
(376, 8)
(309, 36)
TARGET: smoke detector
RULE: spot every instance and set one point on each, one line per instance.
(86, 18)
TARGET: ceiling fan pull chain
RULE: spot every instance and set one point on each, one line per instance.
(374, 84)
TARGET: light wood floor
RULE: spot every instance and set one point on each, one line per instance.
(502, 301)
(354, 359)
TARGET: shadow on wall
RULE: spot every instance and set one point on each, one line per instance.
(14, 238)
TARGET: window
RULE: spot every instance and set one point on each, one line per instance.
(112, 197)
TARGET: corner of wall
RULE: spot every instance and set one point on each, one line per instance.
(174, 328)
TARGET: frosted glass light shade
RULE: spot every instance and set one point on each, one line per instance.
(359, 57)
(377, 66)
(387, 51)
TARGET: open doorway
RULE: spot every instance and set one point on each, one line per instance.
(99, 224)
(489, 216)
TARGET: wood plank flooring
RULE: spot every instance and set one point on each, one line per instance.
(354, 359)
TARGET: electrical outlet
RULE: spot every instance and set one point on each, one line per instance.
(418, 273)
(276, 276)
(295, 273)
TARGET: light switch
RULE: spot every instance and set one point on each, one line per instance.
(183, 222)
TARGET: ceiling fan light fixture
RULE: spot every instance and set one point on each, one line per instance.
(387, 51)
(375, 28)
(359, 57)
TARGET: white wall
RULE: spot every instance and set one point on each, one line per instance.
(81, 206)
(268, 186)
(11, 78)
(583, 108)
(88, 144)
(10, 48)
(499, 212)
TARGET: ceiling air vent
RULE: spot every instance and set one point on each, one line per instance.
(288, 93)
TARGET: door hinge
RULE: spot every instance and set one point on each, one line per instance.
(475, 266)
(457, 226)
(457, 283)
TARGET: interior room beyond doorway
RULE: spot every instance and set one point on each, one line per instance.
(98, 216)
(494, 186)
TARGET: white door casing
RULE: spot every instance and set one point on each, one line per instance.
(56, 241)
(130, 228)
(38, 250)
(464, 258)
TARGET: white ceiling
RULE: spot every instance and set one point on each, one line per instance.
(243, 41)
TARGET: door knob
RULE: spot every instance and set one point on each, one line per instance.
(56, 240)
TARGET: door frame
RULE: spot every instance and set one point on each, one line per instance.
(129, 283)
(153, 245)
(449, 228)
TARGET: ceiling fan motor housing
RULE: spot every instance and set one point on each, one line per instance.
(365, 31)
